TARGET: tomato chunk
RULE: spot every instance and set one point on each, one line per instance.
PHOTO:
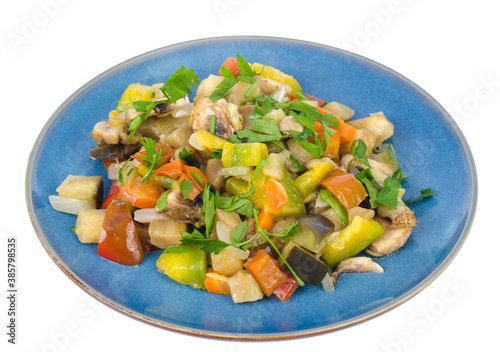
(119, 241)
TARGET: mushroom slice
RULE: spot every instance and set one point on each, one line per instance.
(355, 265)
(202, 113)
(393, 239)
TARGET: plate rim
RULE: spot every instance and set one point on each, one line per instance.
(393, 303)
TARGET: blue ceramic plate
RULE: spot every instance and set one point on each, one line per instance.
(431, 149)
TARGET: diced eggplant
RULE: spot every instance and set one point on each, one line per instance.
(307, 267)
(166, 233)
(144, 239)
(244, 288)
(313, 229)
(88, 225)
(112, 151)
(87, 188)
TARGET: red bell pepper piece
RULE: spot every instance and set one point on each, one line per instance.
(266, 271)
(112, 194)
(285, 291)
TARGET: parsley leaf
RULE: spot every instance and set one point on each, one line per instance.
(303, 139)
(358, 149)
(186, 187)
(162, 203)
(223, 88)
(297, 163)
(188, 158)
(209, 208)
(263, 130)
(242, 206)
(388, 195)
(239, 232)
(217, 154)
(174, 88)
(245, 68)
(196, 238)
(178, 84)
(427, 192)
(336, 205)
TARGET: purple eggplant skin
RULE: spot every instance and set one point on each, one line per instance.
(318, 224)
(306, 266)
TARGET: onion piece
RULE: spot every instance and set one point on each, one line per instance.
(149, 215)
(69, 205)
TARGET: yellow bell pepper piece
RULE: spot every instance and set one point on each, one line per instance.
(188, 268)
(134, 92)
(243, 154)
(205, 141)
(310, 180)
(351, 240)
(277, 75)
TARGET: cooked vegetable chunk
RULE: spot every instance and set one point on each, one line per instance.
(266, 271)
(88, 225)
(244, 288)
(350, 241)
(187, 268)
(119, 241)
(304, 264)
(87, 188)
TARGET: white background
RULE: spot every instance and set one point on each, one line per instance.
(449, 48)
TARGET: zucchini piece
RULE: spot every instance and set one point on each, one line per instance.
(187, 268)
(87, 188)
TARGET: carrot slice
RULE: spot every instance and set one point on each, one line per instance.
(173, 169)
(266, 220)
(276, 195)
(216, 283)
(231, 64)
(142, 194)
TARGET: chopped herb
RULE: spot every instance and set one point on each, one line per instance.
(152, 158)
(358, 150)
(297, 164)
(188, 158)
(223, 88)
(239, 232)
(197, 177)
(178, 84)
(389, 193)
(175, 88)
(212, 124)
(196, 238)
(336, 205)
(186, 187)
(242, 206)
(73, 229)
(217, 154)
(162, 203)
(427, 192)
(209, 208)
(263, 130)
